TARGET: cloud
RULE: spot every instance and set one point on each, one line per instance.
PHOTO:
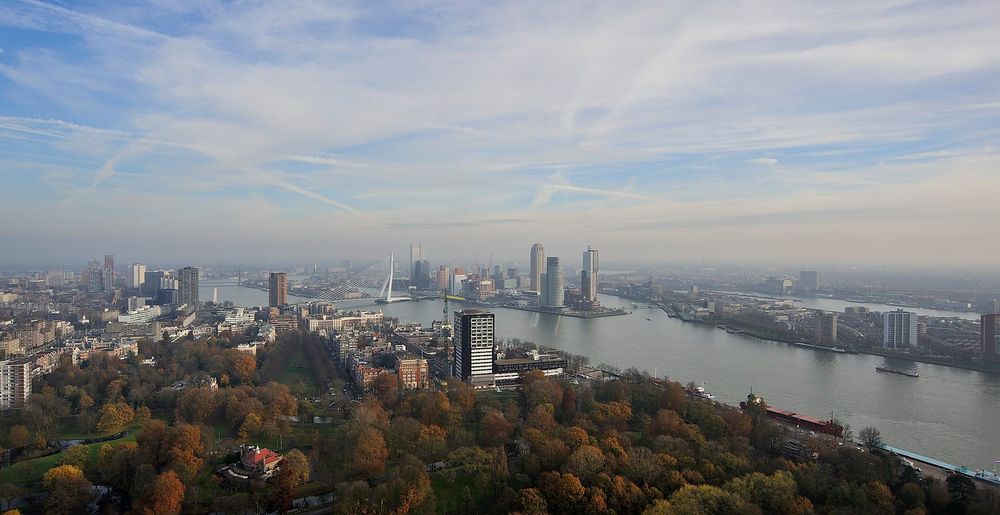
(762, 161)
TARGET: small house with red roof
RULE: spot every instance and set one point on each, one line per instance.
(260, 462)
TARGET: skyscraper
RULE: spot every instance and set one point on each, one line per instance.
(554, 283)
(988, 336)
(826, 329)
(416, 254)
(899, 330)
(95, 277)
(537, 265)
(442, 278)
(809, 280)
(277, 290)
(136, 276)
(152, 282)
(109, 273)
(187, 286)
(474, 347)
(588, 276)
(421, 278)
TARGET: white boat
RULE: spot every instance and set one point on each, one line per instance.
(700, 392)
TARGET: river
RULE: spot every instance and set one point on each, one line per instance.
(947, 413)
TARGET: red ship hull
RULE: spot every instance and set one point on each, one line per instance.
(813, 424)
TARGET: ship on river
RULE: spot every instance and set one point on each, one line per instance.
(894, 371)
(813, 424)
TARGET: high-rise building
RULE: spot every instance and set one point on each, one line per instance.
(988, 336)
(826, 329)
(136, 276)
(109, 273)
(442, 278)
(588, 276)
(421, 278)
(554, 284)
(537, 267)
(899, 330)
(187, 286)
(416, 254)
(95, 277)
(809, 280)
(15, 383)
(151, 283)
(475, 347)
(277, 290)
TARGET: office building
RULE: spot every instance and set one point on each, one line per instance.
(421, 278)
(537, 267)
(95, 277)
(510, 372)
(136, 276)
(475, 347)
(588, 276)
(808, 280)
(442, 278)
(412, 372)
(416, 254)
(553, 287)
(826, 329)
(187, 286)
(109, 273)
(457, 277)
(899, 330)
(15, 383)
(277, 290)
(152, 283)
(988, 336)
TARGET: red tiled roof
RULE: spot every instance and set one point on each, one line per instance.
(265, 456)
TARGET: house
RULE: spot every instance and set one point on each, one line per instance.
(260, 462)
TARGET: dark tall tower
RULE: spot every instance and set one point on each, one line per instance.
(988, 336)
(109, 273)
(187, 286)
(277, 290)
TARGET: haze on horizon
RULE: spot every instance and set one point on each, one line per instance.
(855, 132)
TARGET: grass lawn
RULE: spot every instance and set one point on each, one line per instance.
(451, 495)
(28, 474)
(298, 376)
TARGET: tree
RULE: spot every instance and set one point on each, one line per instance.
(370, 453)
(960, 487)
(768, 492)
(113, 417)
(564, 492)
(298, 464)
(494, 429)
(185, 450)
(165, 495)
(532, 502)
(431, 442)
(386, 388)
(68, 490)
(870, 437)
(76, 455)
(18, 436)
(705, 500)
(244, 367)
(283, 489)
(585, 463)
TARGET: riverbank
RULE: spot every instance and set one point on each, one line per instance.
(574, 314)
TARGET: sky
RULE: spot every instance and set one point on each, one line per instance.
(767, 132)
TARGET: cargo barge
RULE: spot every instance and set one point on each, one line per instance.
(894, 371)
(813, 424)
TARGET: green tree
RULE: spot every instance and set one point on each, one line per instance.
(76, 455)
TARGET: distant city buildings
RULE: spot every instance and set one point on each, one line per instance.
(109, 273)
(826, 329)
(442, 278)
(277, 289)
(94, 277)
(899, 330)
(136, 276)
(989, 338)
(421, 275)
(187, 286)
(474, 347)
(537, 266)
(808, 280)
(416, 255)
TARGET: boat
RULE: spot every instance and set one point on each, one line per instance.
(805, 345)
(814, 424)
(894, 371)
(700, 392)
(649, 319)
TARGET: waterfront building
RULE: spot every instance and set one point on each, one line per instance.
(109, 273)
(826, 329)
(277, 292)
(421, 278)
(475, 347)
(510, 372)
(899, 330)
(457, 278)
(136, 276)
(15, 383)
(416, 255)
(588, 276)
(989, 339)
(537, 265)
(187, 286)
(553, 291)
(809, 280)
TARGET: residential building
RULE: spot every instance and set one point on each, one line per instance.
(588, 276)
(136, 276)
(989, 338)
(899, 330)
(537, 264)
(412, 372)
(826, 329)
(95, 277)
(277, 289)
(475, 347)
(15, 383)
(187, 286)
(109, 273)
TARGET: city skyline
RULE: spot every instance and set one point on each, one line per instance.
(663, 131)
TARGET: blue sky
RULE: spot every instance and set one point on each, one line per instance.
(782, 132)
